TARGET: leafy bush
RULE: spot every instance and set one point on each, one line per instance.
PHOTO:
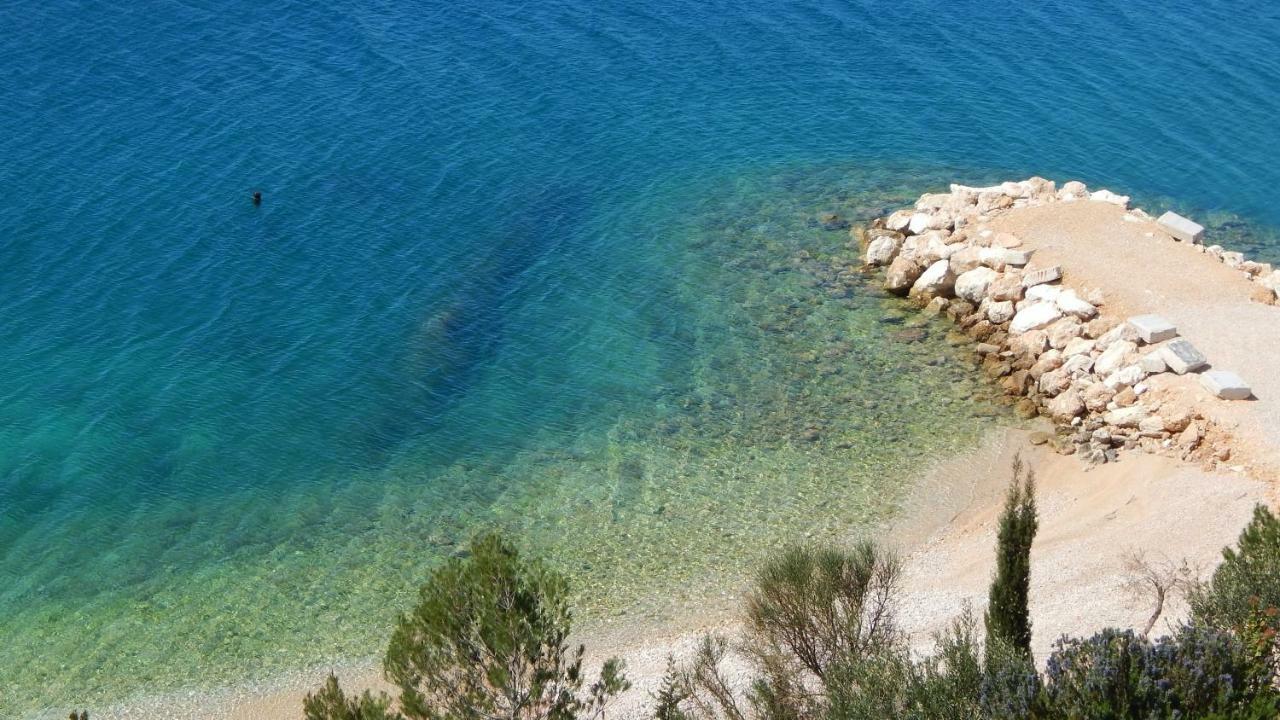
(1247, 580)
(811, 610)
(1195, 673)
(487, 639)
(1008, 619)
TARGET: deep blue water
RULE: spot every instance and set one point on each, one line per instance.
(478, 248)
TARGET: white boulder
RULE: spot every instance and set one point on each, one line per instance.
(972, 285)
(1036, 315)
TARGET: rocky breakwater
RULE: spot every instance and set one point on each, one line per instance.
(1056, 351)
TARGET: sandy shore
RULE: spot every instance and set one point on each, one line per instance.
(1091, 516)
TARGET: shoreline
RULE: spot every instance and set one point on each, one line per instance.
(1111, 478)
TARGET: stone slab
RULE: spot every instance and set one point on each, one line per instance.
(1042, 276)
(1182, 357)
(1181, 228)
(1226, 385)
(1153, 328)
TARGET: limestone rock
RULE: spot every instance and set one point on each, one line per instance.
(1097, 396)
(899, 221)
(1126, 376)
(1073, 190)
(1006, 287)
(1120, 332)
(1030, 344)
(1109, 197)
(1153, 328)
(1153, 363)
(1182, 357)
(1049, 361)
(1071, 304)
(1066, 406)
(1176, 417)
(1043, 293)
(1151, 426)
(1128, 417)
(999, 257)
(1063, 331)
(883, 247)
(1034, 316)
(1041, 276)
(1078, 365)
(1099, 326)
(1181, 228)
(1078, 346)
(935, 281)
(972, 285)
(1114, 357)
(965, 259)
(1225, 385)
(922, 221)
(999, 312)
(902, 274)
(1054, 382)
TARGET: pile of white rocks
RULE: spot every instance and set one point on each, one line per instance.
(1047, 344)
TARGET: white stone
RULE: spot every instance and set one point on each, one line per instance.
(1036, 315)
(1182, 357)
(999, 257)
(1000, 312)
(1125, 377)
(1071, 304)
(1109, 197)
(972, 285)
(1225, 385)
(1128, 417)
(1232, 259)
(1043, 293)
(883, 249)
(1152, 426)
(1153, 328)
(1078, 365)
(1072, 190)
(1114, 357)
(1271, 280)
(936, 280)
(1041, 276)
(1079, 346)
(1181, 228)
(922, 221)
(1153, 363)
(899, 220)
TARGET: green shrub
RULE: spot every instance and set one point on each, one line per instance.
(1247, 580)
(487, 639)
(889, 684)
(1196, 673)
(1008, 620)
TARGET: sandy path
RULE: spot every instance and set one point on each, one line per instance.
(1208, 302)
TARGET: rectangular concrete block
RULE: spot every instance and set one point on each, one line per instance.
(1182, 357)
(1153, 328)
(1041, 276)
(1181, 228)
(1225, 385)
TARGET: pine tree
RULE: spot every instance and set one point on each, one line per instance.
(1007, 619)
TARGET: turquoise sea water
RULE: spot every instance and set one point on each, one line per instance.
(549, 267)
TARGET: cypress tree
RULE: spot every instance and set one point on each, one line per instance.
(1007, 619)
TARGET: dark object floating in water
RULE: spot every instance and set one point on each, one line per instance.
(257, 197)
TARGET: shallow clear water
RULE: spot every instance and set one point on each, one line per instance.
(537, 266)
